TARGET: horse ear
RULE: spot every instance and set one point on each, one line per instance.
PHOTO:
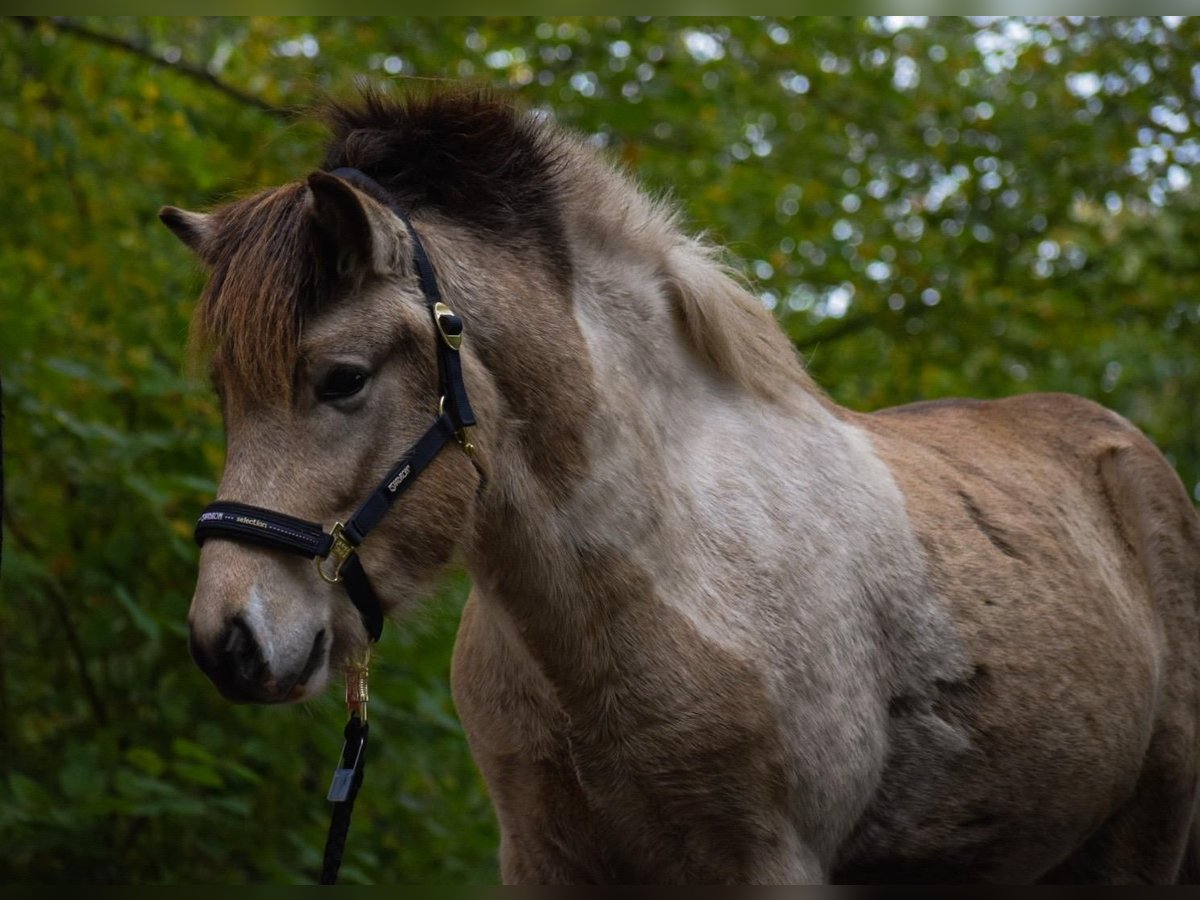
(365, 236)
(192, 228)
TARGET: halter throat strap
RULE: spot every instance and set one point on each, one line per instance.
(335, 551)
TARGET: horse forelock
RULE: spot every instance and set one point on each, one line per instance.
(268, 273)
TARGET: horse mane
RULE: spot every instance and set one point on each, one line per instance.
(472, 156)
(729, 328)
(484, 163)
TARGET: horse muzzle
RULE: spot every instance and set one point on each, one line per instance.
(234, 660)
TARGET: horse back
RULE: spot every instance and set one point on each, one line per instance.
(1050, 468)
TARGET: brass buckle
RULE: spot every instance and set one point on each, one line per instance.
(356, 687)
(466, 438)
(341, 551)
(453, 341)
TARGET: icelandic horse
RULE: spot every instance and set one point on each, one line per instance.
(721, 629)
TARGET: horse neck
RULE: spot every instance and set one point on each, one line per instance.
(597, 495)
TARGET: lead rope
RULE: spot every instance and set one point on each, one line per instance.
(348, 776)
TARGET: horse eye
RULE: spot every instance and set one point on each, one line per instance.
(340, 383)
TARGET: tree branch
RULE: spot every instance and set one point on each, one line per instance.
(58, 600)
(835, 331)
(143, 51)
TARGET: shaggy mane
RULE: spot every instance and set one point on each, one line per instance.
(471, 156)
(485, 164)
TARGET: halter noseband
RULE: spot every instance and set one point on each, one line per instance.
(455, 422)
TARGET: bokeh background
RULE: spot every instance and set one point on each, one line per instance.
(932, 207)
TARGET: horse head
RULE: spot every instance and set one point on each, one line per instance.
(326, 360)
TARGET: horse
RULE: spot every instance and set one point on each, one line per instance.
(721, 629)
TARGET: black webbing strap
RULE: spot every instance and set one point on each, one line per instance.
(265, 527)
(363, 596)
(354, 760)
(396, 481)
(454, 390)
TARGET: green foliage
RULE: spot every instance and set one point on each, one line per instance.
(960, 207)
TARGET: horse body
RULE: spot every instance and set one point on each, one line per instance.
(772, 681)
(721, 629)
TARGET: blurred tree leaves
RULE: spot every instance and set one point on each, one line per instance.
(951, 206)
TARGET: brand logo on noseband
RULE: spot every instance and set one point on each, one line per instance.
(399, 479)
(241, 520)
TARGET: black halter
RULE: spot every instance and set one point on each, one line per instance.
(267, 528)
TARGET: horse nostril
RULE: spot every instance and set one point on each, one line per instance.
(316, 655)
(234, 662)
(243, 656)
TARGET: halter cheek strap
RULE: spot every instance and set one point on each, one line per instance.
(335, 551)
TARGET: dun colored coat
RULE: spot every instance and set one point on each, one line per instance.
(721, 630)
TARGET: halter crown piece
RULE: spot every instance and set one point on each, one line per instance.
(335, 551)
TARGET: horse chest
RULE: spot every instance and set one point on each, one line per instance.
(670, 772)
